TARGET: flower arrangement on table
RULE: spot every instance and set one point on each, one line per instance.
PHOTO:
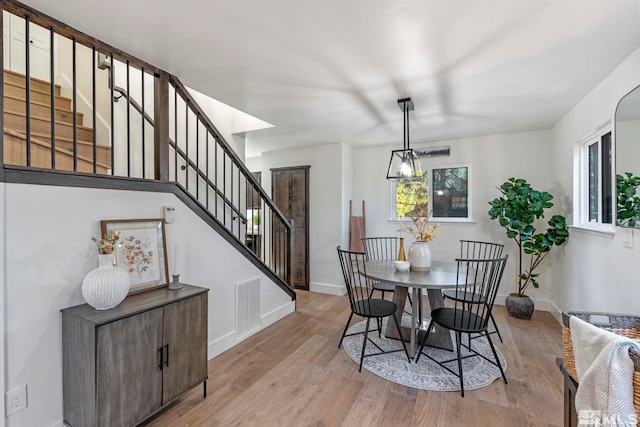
(108, 243)
(422, 230)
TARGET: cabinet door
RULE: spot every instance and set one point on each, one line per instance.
(290, 192)
(185, 340)
(129, 380)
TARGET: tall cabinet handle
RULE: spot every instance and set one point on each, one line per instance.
(166, 360)
(160, 358)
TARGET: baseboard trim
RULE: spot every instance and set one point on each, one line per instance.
(325, 288)
(540, 304)
(231, 339)
(556, 312)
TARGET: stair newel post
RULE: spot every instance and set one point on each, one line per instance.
(161, 127)
(289, 256)
(93, 107)
(2, 100)
(74, 94)
(27, 89)
(144, 154)
(112, 102)
(52, 96)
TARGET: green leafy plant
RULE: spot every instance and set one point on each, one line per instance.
(256, 219)
(628, 206)
(517, 208)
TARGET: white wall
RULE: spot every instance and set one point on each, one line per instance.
(49, 229)
(3, 288)
(595, 271)
(347, 193)
(326, 208)
(224, 119)
(493, 160)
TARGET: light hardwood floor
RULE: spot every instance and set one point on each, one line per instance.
(293, 374)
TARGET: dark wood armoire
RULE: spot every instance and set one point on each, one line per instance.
(290, 192)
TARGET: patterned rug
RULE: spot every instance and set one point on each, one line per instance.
(426, 374)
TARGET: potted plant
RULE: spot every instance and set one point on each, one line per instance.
(517, 208)
(628, 207)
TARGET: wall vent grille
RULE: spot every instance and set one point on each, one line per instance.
(247, 306)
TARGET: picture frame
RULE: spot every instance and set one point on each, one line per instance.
(141, 252)
(440, 151)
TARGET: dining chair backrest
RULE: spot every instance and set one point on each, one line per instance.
(358, 286)
(477, 278)
(472, 249)
(377, 248)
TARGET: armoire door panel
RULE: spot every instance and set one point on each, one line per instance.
(290, 192)
(129, 388)
(281, 190)
(299, 263)
(298, 198)
(185, 349)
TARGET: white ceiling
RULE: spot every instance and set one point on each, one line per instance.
(324, 71)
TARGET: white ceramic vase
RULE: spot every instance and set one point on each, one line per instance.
(106, 286)
(420, 256)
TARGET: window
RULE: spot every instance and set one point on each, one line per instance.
(446, 194)
(595, 186)
(450, 191)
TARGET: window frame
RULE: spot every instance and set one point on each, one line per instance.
(468, 219)
(582, 180)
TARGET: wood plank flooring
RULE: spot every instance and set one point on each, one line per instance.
(293, 374)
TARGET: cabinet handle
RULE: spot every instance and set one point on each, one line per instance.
(160, 358)
(166, 361)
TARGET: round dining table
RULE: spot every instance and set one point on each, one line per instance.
(441, 275)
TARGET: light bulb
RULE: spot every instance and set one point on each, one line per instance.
(405, 168)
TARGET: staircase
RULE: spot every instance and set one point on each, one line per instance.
(186, 155)
(15, 138)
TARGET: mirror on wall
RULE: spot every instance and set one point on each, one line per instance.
(627, 143)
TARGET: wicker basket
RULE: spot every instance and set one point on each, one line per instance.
(621, 324)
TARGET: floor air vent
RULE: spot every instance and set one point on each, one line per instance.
(247, 306)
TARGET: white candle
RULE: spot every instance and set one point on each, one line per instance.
(175, 259)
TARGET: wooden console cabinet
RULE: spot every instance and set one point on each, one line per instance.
(121, 366)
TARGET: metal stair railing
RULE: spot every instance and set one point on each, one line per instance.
(186, 147)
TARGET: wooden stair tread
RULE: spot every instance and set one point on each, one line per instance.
(57, 149)
(42, 104)
(65, 139)
(39, 96)
(33, 89)
(41, 112)
(48, 119)
(33, 79)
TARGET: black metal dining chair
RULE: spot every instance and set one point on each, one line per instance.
(359, 290)
(377, 248)
(471, 249)
(481, 277)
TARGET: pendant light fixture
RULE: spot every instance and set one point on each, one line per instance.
(405, 164)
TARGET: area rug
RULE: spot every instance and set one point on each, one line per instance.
(426, 374)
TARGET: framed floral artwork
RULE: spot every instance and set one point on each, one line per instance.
(141, 251)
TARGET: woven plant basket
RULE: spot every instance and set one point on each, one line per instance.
(622, 324)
